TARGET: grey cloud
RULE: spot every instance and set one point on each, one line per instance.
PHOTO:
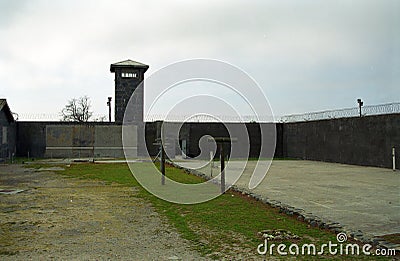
(10, 10)
(299, 51)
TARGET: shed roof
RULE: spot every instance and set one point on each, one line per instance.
(128, 64)
(4, 107)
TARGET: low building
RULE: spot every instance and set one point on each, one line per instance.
(7, 132)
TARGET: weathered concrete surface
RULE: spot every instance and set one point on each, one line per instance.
(360, 198)
(365, 141)
(72, 140)
(69, 139)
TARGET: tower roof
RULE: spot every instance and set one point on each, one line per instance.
(128, 64)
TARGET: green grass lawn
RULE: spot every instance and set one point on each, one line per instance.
(216, 226)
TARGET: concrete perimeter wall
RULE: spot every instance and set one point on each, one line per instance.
(63, 139)
(192, 132)
(365, 141)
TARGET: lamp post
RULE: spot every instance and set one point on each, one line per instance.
(360, 104)
(109, 108)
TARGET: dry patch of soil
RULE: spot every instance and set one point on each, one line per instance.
(64, 218)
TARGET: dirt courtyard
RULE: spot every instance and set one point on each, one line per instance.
(64, 218)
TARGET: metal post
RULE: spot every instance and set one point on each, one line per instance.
(184, 149)
(162, 165)
(109, 108)
(222, 159)
(394, 158)
(220, 143)
(94, 139)
(211, 163)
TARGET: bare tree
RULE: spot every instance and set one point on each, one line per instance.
(100, 118)
(77, 110)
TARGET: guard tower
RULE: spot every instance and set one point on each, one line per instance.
(128, 75)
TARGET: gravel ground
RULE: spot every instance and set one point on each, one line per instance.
(71, 219)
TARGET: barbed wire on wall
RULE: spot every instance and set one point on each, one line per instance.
(208, 118)
(388, 108)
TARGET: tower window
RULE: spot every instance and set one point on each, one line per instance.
(129, 75)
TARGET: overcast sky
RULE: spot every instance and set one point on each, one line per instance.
(305, 55)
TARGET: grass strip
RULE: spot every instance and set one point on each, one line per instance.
(219, 228)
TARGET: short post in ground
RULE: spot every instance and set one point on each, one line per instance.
(162, 164)
(220, 146)
(211, 163)
(162, 155)
(394, 158)
(222, 159)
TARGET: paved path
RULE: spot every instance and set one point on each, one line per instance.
(360, 198)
